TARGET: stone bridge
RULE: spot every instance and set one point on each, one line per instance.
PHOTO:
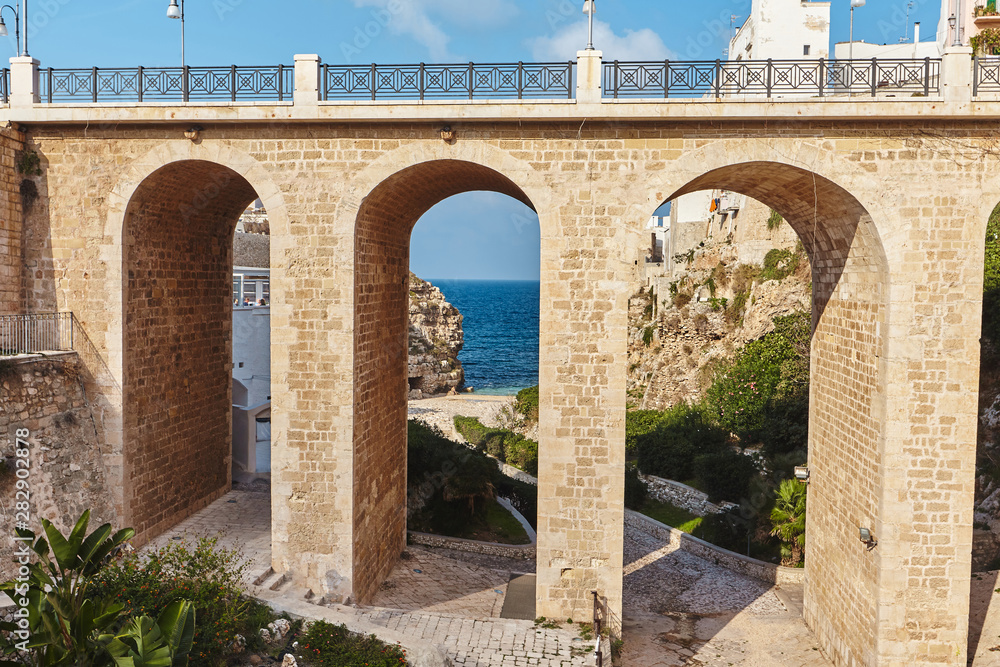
(127, 221)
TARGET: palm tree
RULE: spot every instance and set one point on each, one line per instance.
(789, 520)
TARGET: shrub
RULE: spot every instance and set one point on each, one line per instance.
(647, 312)
(526, 403)
(471, 429)
(647, 336)
(207, 575)
(669, 449)
(682, 299)
(639, 423)
(775, 220)
(522, 454)
(779, 264)
(725, 474)
(991, 279)
(636, 490)
(327, 645)
(523, 496)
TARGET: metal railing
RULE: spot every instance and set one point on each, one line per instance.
(39, 332)
(767, 78)
(448, 82)
(985, 75)
(168, 84)
(5, 86)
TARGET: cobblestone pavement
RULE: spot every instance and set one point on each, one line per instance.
(489, 642)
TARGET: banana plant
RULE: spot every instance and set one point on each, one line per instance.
(64, 622)
(163, 643)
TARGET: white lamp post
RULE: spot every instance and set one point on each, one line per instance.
(854, 4)
(175, 12)
(17, 29)
(589, 9)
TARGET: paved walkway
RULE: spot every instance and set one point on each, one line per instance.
(680, 609)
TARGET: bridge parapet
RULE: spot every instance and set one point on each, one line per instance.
(703, 89)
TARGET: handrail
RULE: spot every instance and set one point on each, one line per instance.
(448, 82)
(768, 78)
(167, 84)
(36, 332)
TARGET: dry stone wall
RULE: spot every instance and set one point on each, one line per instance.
(45, 395)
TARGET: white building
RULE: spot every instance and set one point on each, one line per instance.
(915, 50)
(783, 30)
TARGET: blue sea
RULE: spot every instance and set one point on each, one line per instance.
(500, 355)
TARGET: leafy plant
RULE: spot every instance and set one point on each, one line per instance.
(327, 645)
(775, 220)
(986, 43)
(65, 622)
(526, 402)
(29, 163)
(637, 424)
(647, 336)
(779, 264)
(165, 642)
(789, 520)
(669, 449)
(636, 490)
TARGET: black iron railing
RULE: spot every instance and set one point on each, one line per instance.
(447, 82)
(168, 84)
(985, 75)
(38, 332)
(721, 78)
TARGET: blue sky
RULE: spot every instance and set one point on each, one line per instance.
(476, 235)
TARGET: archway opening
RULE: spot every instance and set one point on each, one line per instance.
(845, 343)
(178, 342)
(382, 305)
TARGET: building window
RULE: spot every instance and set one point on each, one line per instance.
(805, 50)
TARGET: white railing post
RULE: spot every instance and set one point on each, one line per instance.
(24, 83)
(956, 75)
(307, 81)
(589, 68)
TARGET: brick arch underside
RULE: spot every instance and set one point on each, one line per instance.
(381, 306)
(177, 273)
(846, 408)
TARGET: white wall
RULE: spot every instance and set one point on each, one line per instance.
(252, 351)
(865, 51)
(779, 29)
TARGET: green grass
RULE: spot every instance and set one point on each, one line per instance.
(671, 515)
(490, 523)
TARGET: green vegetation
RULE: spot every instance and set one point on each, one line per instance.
(636, 491)
(789, 520)
(779, 264)
(507, 446)
(647, 336)
(327, 645)
(775, 220)
(671, 515)
(204, 573)
(526, 402)
(457, 483)
(740, 441)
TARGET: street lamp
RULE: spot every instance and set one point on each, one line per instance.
(17, 27)
(175, 12)
(589, 9)
(854, 4)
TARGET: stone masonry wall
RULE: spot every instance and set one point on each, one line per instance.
(892, 214)
(11, 262)
(66, 474)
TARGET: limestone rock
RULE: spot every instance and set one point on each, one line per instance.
(435, 339)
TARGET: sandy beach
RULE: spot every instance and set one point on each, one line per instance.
(440, 411)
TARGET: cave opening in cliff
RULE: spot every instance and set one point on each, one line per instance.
(755, 335)
(196, 351)
(447, 275)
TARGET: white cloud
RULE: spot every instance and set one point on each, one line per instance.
(641, 44)
(424, 20)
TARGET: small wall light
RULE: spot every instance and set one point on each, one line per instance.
(867, 537)
(802, 474)
(448, 134)
(193, 133)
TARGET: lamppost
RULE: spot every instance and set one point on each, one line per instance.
(22, 50)
(175, 12)
(590, 9)
(850, 47)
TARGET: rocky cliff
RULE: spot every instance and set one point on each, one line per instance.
(681, 329)
(436, 338)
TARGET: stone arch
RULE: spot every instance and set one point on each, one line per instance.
(171, 218)
(384, 221)
(851, 284)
